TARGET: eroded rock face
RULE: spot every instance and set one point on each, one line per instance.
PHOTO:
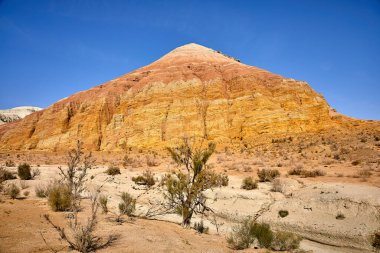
(192, 91)
(16, 113)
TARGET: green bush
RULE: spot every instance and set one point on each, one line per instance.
(263, 234)
(266, 175)
(283, 213)
(147, 178)
(23, 171)
(245, 234)
(112, 171)
(285, 241)
(13, 191)
(60, 198)
(249, 183)
(128, 204)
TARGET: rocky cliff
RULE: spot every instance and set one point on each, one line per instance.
(10, 115)
(192, 91)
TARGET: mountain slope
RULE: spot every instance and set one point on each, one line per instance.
(192, 91)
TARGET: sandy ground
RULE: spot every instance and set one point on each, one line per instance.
(312, 205)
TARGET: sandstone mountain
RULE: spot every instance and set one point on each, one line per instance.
(192, 91)
(10, 115)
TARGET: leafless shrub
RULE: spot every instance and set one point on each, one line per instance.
(249, 183)
(277, 185)
(147, 178)
(152, 161)
(12, 190)
(82, 237)
(35, 173)
(23, 184)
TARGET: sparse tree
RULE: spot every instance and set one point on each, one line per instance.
(75, 175)
(185, 188)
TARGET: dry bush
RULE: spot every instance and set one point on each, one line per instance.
(340, 216)
(247, 168)
(249, 183)
(306, 173)
(43, 191)
(277, 185)
(266, 175)
(10, 163)
(23, 171)
(356, 162)
(127, 205)
(12, 191)
(35, 173)
(285, 241)
(82, 236)
(245, 234)
(103, 201)
(364, 173)
(6, 175)
(112, 171)
(26, 193)
(129, 161)
(60, 198)
(152, 161)
(147, 178)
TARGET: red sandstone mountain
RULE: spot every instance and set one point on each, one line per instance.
(193, 91)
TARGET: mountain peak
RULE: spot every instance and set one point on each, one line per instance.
(195, 53)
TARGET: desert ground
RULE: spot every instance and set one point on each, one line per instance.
(334, 212)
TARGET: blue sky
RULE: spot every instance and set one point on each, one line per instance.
(52, 49)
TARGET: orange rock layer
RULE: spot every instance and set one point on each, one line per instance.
(192, 91)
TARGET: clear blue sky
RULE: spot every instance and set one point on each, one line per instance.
(52, 49)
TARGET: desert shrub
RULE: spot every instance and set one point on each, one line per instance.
(112, 171)
(10, 163)
(26, 193)
(277, 185)
(283, 213)
(60, 198)
(82, 237)
(23, 171)
(356, 162)
(313, 173)
(375, 241)
(223, 180)
(299, 171)
(147, 178)
(241, 236)
(103, 201)
(266, 175)
(365, 173)
(152, 161)
(263, 234)
(43, 191)
(36, 173)
(296, 171)
(245, 234)
(6, 175)
(249, 184)
(12, 191)
(127, 205)
(200, 227)
(340, 216)
(285, 241)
